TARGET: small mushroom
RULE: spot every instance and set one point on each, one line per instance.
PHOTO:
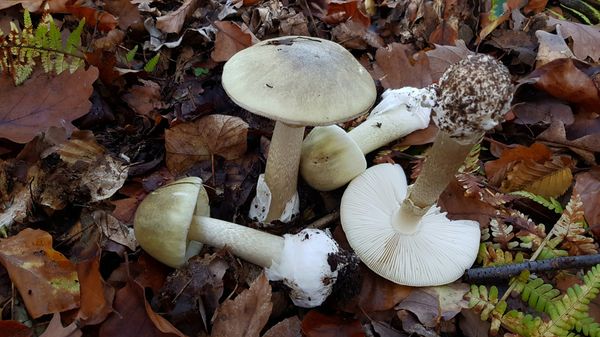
(331, 157)
(309, 262)
(296, 81)
(398, 231)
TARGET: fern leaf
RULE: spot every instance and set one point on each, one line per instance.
(550, 203)
(550, 178)
(151, 65)
(569, 228)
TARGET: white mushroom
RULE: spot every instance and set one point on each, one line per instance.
(331, 157)
(297, 81)
(398, 231)
(308, 262)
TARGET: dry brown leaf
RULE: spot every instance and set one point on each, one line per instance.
(544, 110)
(43, 101)
(134, 317)
(587, 184)
(54, 6)
(396, 69)
(114, 229)
(442, 57)
(230, 39)
(585, 38)
(584, 146)
(56, 329)
(96, 295)
(189, 143)
(342, 11)
(110, 41)
(316, 324)
(247, 314)
(146, 99)
(46, 280)
(551, 47)
(173, 22)
(434, 304)
(289, 327)
(495, 170)
(128, 13)
(551, 178)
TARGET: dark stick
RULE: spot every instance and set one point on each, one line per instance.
(489, 274)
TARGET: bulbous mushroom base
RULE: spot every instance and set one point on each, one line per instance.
(434, 251)
(259, 208)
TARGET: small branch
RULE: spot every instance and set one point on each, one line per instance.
(325, 221)
(491, 274)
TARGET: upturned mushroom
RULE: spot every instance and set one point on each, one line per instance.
(296, 81)
(309, 262)
(331, 157)
(398, 231)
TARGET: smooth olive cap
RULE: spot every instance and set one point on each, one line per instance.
(163, 218)
(299, 80)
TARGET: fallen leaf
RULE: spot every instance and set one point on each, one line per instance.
(133, 316)
(379, 294)
(443, 57)
(145, 99)
(544, 110)
(446, 32)
(498, 14)
(96, 295)
(587, 184)
(550, 178)
(316, 324)
(495, 170)
(54, 6)
(230, 39)
(342, 11)
(551, 47)
(472, 325)
(585, 38)
(435, 304)
(247, 314)
(94, 17)
(46, 280)
(396, 69)
(189, 143)
(114, 229)
(289, 327)
(173, 22)
(43, 101)
(14, 329)
(56, 329)
(128, 13)
(584, 146)
(565, 79)
(411, 325)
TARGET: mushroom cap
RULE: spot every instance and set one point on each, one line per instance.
(163, 218)
(473, 96)
(437, 252)
(330, 158)
(309, 266)
(299, 80)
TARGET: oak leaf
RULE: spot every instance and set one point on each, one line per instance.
(189, 143)
(247, 314)
(46, 279)
(495, 170)
(43, 101)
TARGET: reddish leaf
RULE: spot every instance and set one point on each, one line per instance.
(14, 329)
(434, 304)
(46, 280)
(247, 314)
(396, 69)
(446, 33)
(587, 184)
(316, 324)
(128, 13)
(94, 17)
(443, 57)
(289, 327)
(230, 39)
(134, 317)
(96, 295)
(496, 170)
(42, 101)
(145, 100)
(341, 11)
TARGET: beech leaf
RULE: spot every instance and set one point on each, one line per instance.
(584, 146)
(189, 143)
(396, 69)
(587, 184)
(247, 314)
(585, 38)
(46, 280)
(173, 22)
(230, 39)
(43, 101)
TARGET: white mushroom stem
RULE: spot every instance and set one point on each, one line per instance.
(400, 112)
(246, 243)
(443, 161)
(281, 173)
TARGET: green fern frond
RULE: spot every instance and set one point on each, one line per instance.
(550, 203)
(22, 50)
(151, 65)
(539, 295)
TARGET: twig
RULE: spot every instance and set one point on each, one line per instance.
(324, 221)
(486, 274)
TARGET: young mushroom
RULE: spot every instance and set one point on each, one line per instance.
(397, 230)
(331, 157)
(297, 81)
(309, 262)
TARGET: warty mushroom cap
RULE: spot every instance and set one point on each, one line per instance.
(299, 80)
(436, 251)
(330, 158)
(167, 238)
(473, 96)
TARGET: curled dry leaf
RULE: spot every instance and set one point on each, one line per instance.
(396, 69)
(56, 329)
(173, 22)
(495, 170)
(189, 143)
(230, 39)
(585, 38)
(552, 47)
(434, 304)
(145, 99)
(128, 14)
(289, 327)
(114, 229)
(46, 280)
(247, 314)
(551, 178)
(584, 146)
(342, 11)
(96, 295)
(43, 101)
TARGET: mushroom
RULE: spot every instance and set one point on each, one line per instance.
(297, 81)
(398, 231)
(331, 157)
(309, 262)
